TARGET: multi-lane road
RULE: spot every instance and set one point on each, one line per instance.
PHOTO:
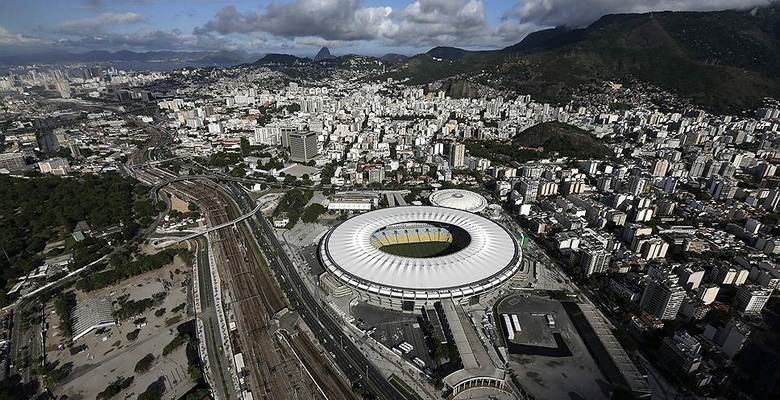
(346, 354)
(221, 378)
(251, 292)
(237, 254)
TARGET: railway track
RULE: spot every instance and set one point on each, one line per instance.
(276, 370)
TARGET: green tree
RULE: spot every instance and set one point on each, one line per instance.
(246, 148)
(144, 364)
(239, 171)
(312, 213)
(63, 306)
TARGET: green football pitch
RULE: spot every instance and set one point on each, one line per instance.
(418, 250)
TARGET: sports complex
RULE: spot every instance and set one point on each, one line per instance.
(411, 256)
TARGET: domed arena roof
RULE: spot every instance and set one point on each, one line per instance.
(486, 255)
(459, 199)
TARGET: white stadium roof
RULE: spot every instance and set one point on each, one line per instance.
(490, 258)
(459, 199)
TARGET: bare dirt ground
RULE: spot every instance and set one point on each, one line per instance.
(100, 358)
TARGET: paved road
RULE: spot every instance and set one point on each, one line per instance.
(27, 344)
(215, 228)
(349, 358)
(224, 390)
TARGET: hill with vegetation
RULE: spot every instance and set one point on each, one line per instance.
(448, 53)
(724, 61)
(425, 68)
(564, 139)
(393, 58)
(545, 140)
(283, 59)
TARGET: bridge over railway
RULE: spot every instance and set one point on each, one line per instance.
(157, 182)
(213, 177)
(178, 240)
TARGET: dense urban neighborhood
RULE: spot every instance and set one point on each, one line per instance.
(362, 227)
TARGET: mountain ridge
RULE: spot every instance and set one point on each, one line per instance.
(724, 61)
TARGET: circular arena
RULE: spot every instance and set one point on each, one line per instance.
(459, 199)
(407, 257)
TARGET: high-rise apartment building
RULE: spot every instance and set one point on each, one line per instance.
(303, 146)
(662, 298)
(751, 299)
(458, 155)
(284, 135)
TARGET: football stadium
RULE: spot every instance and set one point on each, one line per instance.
(406, 257)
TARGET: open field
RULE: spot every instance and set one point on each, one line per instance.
(101, 357)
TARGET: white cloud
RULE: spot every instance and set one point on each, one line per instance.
(327, 19)
(421, 23)
(299, 24)
(442, 22)
(150, 40)
(98, 23)
(8, 38)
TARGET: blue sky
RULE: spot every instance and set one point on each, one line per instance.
(372, 27)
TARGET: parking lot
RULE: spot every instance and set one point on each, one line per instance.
(541, 355)
(393, 328)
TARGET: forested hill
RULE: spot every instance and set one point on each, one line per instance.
(564, 139)
(545, 140)
(725, 61)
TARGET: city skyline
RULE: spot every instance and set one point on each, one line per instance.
(590, 211)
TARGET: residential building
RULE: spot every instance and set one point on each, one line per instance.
(662, 299)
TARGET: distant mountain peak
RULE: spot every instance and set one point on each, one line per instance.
(323, 54)
(276, 58)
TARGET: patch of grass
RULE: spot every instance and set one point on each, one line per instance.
(173, 320)
(178, 308)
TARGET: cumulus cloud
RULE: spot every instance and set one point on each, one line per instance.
(421, 23)
(150, 40)
(326, 19)
(512, 31)
(98, 23)
(442, 22)
(8, 38)
(297, 24)
(577, 13)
